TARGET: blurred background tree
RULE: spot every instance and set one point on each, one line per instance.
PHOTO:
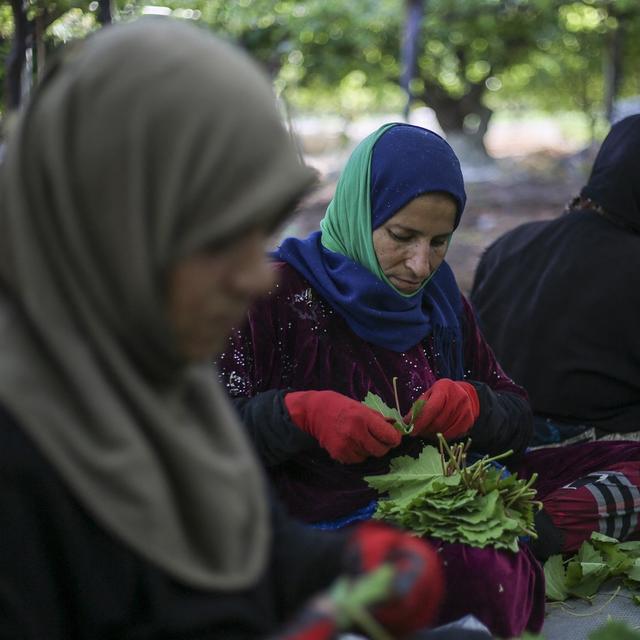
(531, 82)
(473, 57)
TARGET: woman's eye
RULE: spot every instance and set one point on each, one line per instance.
(399, 237)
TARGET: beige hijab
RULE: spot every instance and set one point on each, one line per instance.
(146, 142)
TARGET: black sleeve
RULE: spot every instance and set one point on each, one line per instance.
(306, 560)
(63, 576)
(505, 422)
(274, 435)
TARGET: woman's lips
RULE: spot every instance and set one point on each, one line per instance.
(405, 285)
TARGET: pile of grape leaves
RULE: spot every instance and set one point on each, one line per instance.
(598, 560)
(438, 495)
(612, 630)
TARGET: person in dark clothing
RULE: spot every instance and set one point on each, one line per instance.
(558, 301)
(136, 194)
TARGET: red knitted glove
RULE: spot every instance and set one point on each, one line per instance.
(418, 583)
(348, 430)
(315, 622)
(450, 408)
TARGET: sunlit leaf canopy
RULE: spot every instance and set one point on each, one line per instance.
(475, 56)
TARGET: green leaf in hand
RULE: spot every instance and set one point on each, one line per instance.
(353, 597)
(416, 410)
(376, 403)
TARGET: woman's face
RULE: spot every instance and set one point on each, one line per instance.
(210, 291)
(411, 245)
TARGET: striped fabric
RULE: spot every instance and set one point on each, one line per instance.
(606, 501)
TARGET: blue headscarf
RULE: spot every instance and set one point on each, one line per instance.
(387, 170)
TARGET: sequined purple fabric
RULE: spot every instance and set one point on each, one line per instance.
(293, 339)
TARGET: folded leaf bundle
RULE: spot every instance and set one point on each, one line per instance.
(437, 495)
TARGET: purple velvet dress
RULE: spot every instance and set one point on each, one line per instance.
(293, 339)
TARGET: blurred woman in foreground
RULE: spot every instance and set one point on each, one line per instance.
(136, 194)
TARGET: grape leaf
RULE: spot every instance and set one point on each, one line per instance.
(416, 410)
(615, 630)
(353, 597)
(376, 403)
(555, 579)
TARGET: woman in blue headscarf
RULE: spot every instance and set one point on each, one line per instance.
(367, 299)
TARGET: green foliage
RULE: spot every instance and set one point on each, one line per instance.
(437, 495)
(475, 56)
(615, 630)
(376, 403)
(612, 630)
(598, 560)
(352, 597)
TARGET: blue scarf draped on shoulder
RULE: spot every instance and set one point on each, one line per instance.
(386, 171)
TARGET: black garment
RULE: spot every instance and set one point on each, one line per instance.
(559, 303)
(64, 577)
(274, 435)
(614, 183)
(504, 423)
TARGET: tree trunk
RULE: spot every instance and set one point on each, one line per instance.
(16, 59)
(613, 67)
(104, 14)
(41, 50)
(410, 46)
(452, 113)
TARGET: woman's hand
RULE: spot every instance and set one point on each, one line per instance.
(410, 600)
(451, 407)
(417, 587)
(348, 430)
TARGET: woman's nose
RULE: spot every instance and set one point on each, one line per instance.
(254, 274)
(418, 262)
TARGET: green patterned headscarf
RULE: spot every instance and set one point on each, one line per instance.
(346, 226)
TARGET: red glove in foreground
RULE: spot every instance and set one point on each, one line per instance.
(348, 430)
(315, 622)
(418, 584)
(416, 591)
(450, 408)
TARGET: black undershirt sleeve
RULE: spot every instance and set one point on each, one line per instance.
(505, 422)
(274, 435)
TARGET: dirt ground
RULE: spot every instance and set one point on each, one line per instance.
(503, 194)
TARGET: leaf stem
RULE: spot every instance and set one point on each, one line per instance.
(369, 624)
(598, 610)
(452, 457)
(394, 381)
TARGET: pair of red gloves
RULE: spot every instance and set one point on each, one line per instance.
(351, 432)
(415, 595)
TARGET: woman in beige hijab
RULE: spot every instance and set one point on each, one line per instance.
(136, 193)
